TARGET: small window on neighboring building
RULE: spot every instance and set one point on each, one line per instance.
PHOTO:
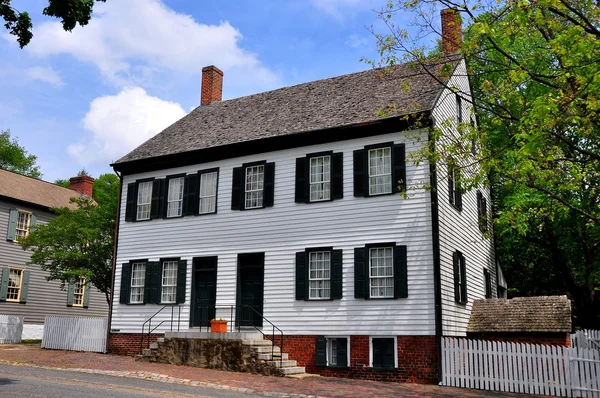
(459, 110)
(15, 284)
(383, 352)
(79, 292)
(379, 170)
(482, 219)
(23, 223)
(144, 200)
(320, 178)
(488, 283)
(169, 282)
(454, 192)
(138, 279)
(208, 192)
(319, 274)
(332, 351)
(460, 278)
(174, 197)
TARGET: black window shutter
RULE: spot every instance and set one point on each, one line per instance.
(190, 195)
(360, 274)
(152, 284)
(360, 176)
(130, 202)
(321, 351)
(237, 183)
(399, 174)
(125, 283)
(181, 280)
(342, 352)
(463, 275)
(484, 219)
(337, 176)
(377, 353)
(488, 283)
(479, 197)
(400, 272)
(387, 351)
(301, 276)
(457, 190)
(451, 183)
(269, 192)
(336, 275)
(157, 196)
(301, 180)
(456, 265)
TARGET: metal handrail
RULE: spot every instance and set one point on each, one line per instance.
(272, 334)
(149, 323)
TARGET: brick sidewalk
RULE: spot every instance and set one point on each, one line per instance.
(33, 355)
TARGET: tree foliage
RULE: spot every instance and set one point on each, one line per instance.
(15, 158)
(79, 243)
(70, 13)
(535, 74)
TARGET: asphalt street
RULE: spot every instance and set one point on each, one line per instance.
(16, 381)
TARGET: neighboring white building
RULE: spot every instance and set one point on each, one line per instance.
(287, 201)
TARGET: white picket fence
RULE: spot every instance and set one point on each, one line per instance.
(75, 333)
(586, 339)
(11, 329)
(522, 368)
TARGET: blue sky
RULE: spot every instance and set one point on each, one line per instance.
(86, 98)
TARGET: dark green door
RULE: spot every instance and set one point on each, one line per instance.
(251, 286)
(204, 292)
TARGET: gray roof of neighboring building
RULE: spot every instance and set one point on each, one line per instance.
(346, 100)
(521, 314)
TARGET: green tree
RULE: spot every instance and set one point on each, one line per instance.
(534, 70)
(15, 158)
(63, 183)
(79, 242)
(70, 13)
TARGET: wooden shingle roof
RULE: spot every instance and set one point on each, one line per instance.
(521, 314)
(37, 192)
(345, 100)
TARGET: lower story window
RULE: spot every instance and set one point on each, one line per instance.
(332, 351)
(79, 292)
(383, 352)
(15, 280)
(138, 279)
(169, 282)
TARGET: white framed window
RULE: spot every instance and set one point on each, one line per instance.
(381, 272)
(319, 275)
(338, 351)
(320, 178)
(169, 282)
(144, 199)
(138, 279)
(23, 224)
(174, 197)
(380, 171)
(79, 292)
(254, 187)
(15, 284)
(208, 192)
(383, 352)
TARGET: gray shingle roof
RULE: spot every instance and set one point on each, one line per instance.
(521, 314)
(339, 101)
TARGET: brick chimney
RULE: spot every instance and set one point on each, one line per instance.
(82, 184)
(212, 85)
(451, 30)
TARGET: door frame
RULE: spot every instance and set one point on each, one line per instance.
(238, 300)
(195, 266)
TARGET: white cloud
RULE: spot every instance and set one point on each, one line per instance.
(337, 8)
(44, 74)
(356, 41)
(119, 123)
(127, 38)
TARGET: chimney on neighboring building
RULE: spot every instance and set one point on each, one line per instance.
(82, 184)
(212, 85)
(451, 30)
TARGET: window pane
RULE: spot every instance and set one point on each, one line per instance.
(175, 197)
(254, 187)
(380, 171)
(320, 178)
(144, 199)
(381, 272)
(23, 221)
(333, 352)
(138, 278)
(78, 292)
(14, 285)
(208, 192)
(319, 275)
(169, 282)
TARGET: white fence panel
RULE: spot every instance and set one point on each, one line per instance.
(586, 339)
(75, 333)
(11, 329)
(585, 372)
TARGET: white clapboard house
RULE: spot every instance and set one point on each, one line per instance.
(288, 202)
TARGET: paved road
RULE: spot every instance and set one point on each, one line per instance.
(16, 381)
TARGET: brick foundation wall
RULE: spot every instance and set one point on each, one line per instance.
(417, 359)
(129, 343)
(561, 339)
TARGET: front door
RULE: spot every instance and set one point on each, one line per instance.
(204, 291)
(250, 289)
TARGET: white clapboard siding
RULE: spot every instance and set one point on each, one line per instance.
(75, 333)
(11, 329)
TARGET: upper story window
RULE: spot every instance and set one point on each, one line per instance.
(460, 278)
(379, 170)
(208, 192)
(454, 191)
(144, 200)
(14, 284)
(319, 177)
(487, 279)
(169, 282)
(380, 271)
(174, 197)
(138, 280)
(319, 274)
(23, 223)
(459, 109)
(253, 186)
(482, 217)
